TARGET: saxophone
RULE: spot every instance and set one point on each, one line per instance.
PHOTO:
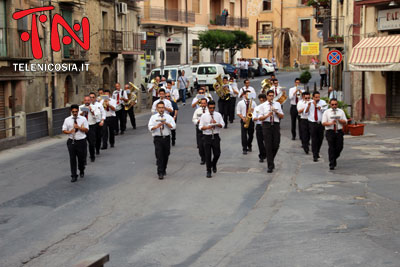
(132, 97)
(249, 115)
(221, 90)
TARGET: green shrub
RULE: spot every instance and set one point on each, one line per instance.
(305, 77)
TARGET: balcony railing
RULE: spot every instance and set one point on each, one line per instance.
(11, 45)
(229, 21)
(172, 15)
(111, 41)
(131, 41)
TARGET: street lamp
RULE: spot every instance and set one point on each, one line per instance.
(393, 3)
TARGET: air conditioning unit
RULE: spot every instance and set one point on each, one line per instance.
(122, 8)
(169, 30)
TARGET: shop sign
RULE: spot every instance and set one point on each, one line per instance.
(265, 40)
(389, 19)
(309, 48)
(174, 40)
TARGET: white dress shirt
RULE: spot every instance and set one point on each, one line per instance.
(110, 112)
(267, 107)
(311, 112)
(234, 88)
(197, 114)
(256, 114)
(301, 106)
(333, 94)
(69, 125)
(154, 92)
(293, 97)
(173, 92)
(241, 107)
(331, 115)
(277, 91)
(251, 89)
(205, 120)
(167, 104)
(102, 111)
(156, 119)
(197, 98)
(119, 102)
(93, 115)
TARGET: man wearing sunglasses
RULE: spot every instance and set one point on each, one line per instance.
(333, 119)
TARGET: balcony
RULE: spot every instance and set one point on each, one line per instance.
(332, 30)
(131, 43)
(12, 47)
(159, 15)
(218, 20)
(111, 41)
(75, 53)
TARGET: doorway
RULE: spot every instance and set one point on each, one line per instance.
(106, 79)
(393, 94)
(173, 54)
(68, 90)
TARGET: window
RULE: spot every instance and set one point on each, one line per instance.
(265, 27)
(154, 74)
(207, 70)
(171, 74)
(267, 5)
(196, 6)
(305, 25)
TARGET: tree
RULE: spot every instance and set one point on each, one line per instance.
(240, 41)
(215, 41)
(305, 77)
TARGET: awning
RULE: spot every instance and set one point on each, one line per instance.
(376, 54)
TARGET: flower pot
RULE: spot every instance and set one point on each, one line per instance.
(356, 129)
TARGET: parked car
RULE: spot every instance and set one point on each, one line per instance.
(207, 72)
(171, 73)
(267, 66)
(230, 69)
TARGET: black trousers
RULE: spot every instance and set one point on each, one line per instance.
(305, 134)
(77, 150)
(120, 123)
(223, 108)
(323, 81)
(335, 143)
(317, 136)
(91, 138)
(272, 140)
(109, 131)
(162, 146)
(99, 132)
(200, 143)
(232, 106)
(247, 135)
(260, 142)
(294, 115)
(131, 113)
(212, 146)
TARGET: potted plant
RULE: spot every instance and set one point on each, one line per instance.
(356, 129)
(305, 77)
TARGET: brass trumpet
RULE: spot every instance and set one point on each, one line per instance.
(132, 97)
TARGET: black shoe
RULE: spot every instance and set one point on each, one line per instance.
(318, 156)
(160, 177)
(331, 168)
(173, 143)
(293, 138)
(202, 162)
(134, 127)
(244, 152)
(250, 149)
(315, 159)
(261, 160)
(112, 145)
(215, 169)
(122, 132)
(97, 152)
(104, 148)
(116, 133)
(81, 174)
(230, 121)
(74, 179)
(334, 163)
(270, 170)
(226, 126)
(92, 159)
(306, 151)
(208, 174)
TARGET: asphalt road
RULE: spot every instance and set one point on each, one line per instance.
(301, 215)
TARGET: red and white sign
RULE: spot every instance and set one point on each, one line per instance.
(334, 57)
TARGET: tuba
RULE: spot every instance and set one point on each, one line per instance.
(221, 90)
(132, 97)
(249, 115)
(265, 86)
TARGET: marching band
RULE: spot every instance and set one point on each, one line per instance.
(94, 124)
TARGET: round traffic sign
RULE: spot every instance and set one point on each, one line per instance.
(334, 57)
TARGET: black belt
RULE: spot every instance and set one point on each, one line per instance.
(70, 139)
(159, 136)
(316, 122)
(331, 130)
(275, 122)
(211, 134)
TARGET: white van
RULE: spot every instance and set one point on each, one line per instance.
(171, 73)
(206, 73)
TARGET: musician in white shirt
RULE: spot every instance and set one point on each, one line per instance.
(333, 119)
(200, 95)
(232, 99)
(167, 104)
(99, 120)
(109, 105)
(211, 124)
(172, 90)
(120, 96)
(76, 127)
(259, 131)
(160, 126)
(314, 111)
(154, 87)
(243, 107)
(199, 134)
(275, 87)
(224, 103)
(247, 87)
(91, 113)
(304, 129)
(270, 115)
(295, 96)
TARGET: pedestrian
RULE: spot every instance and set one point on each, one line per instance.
(160, 126)
(211, 123)
(271, 114)
(224, 103)
(92, 114)
(238, 63)
(323, 73)
(232, 99)
(109, 105)
(183, 85)
(153, 87)
(76, 127)
(259, 131)
(130, 106)
(120, 96)
(174, 115)
(244, 108)
(99, 120)
(224, 16)
(314, 110)
(273, 61)
(295, 96)
(202, 109)
(334, 119)
(304, 126)
(332, 93)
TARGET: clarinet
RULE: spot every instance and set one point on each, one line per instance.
(272, 110)
(212, 129)
(162, 126)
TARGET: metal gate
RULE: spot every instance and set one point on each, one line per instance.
(59, 116)
(393, 94)
(36, 125)
(2, 111)
(173, 54)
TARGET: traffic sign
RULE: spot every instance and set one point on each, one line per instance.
(334, 57)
